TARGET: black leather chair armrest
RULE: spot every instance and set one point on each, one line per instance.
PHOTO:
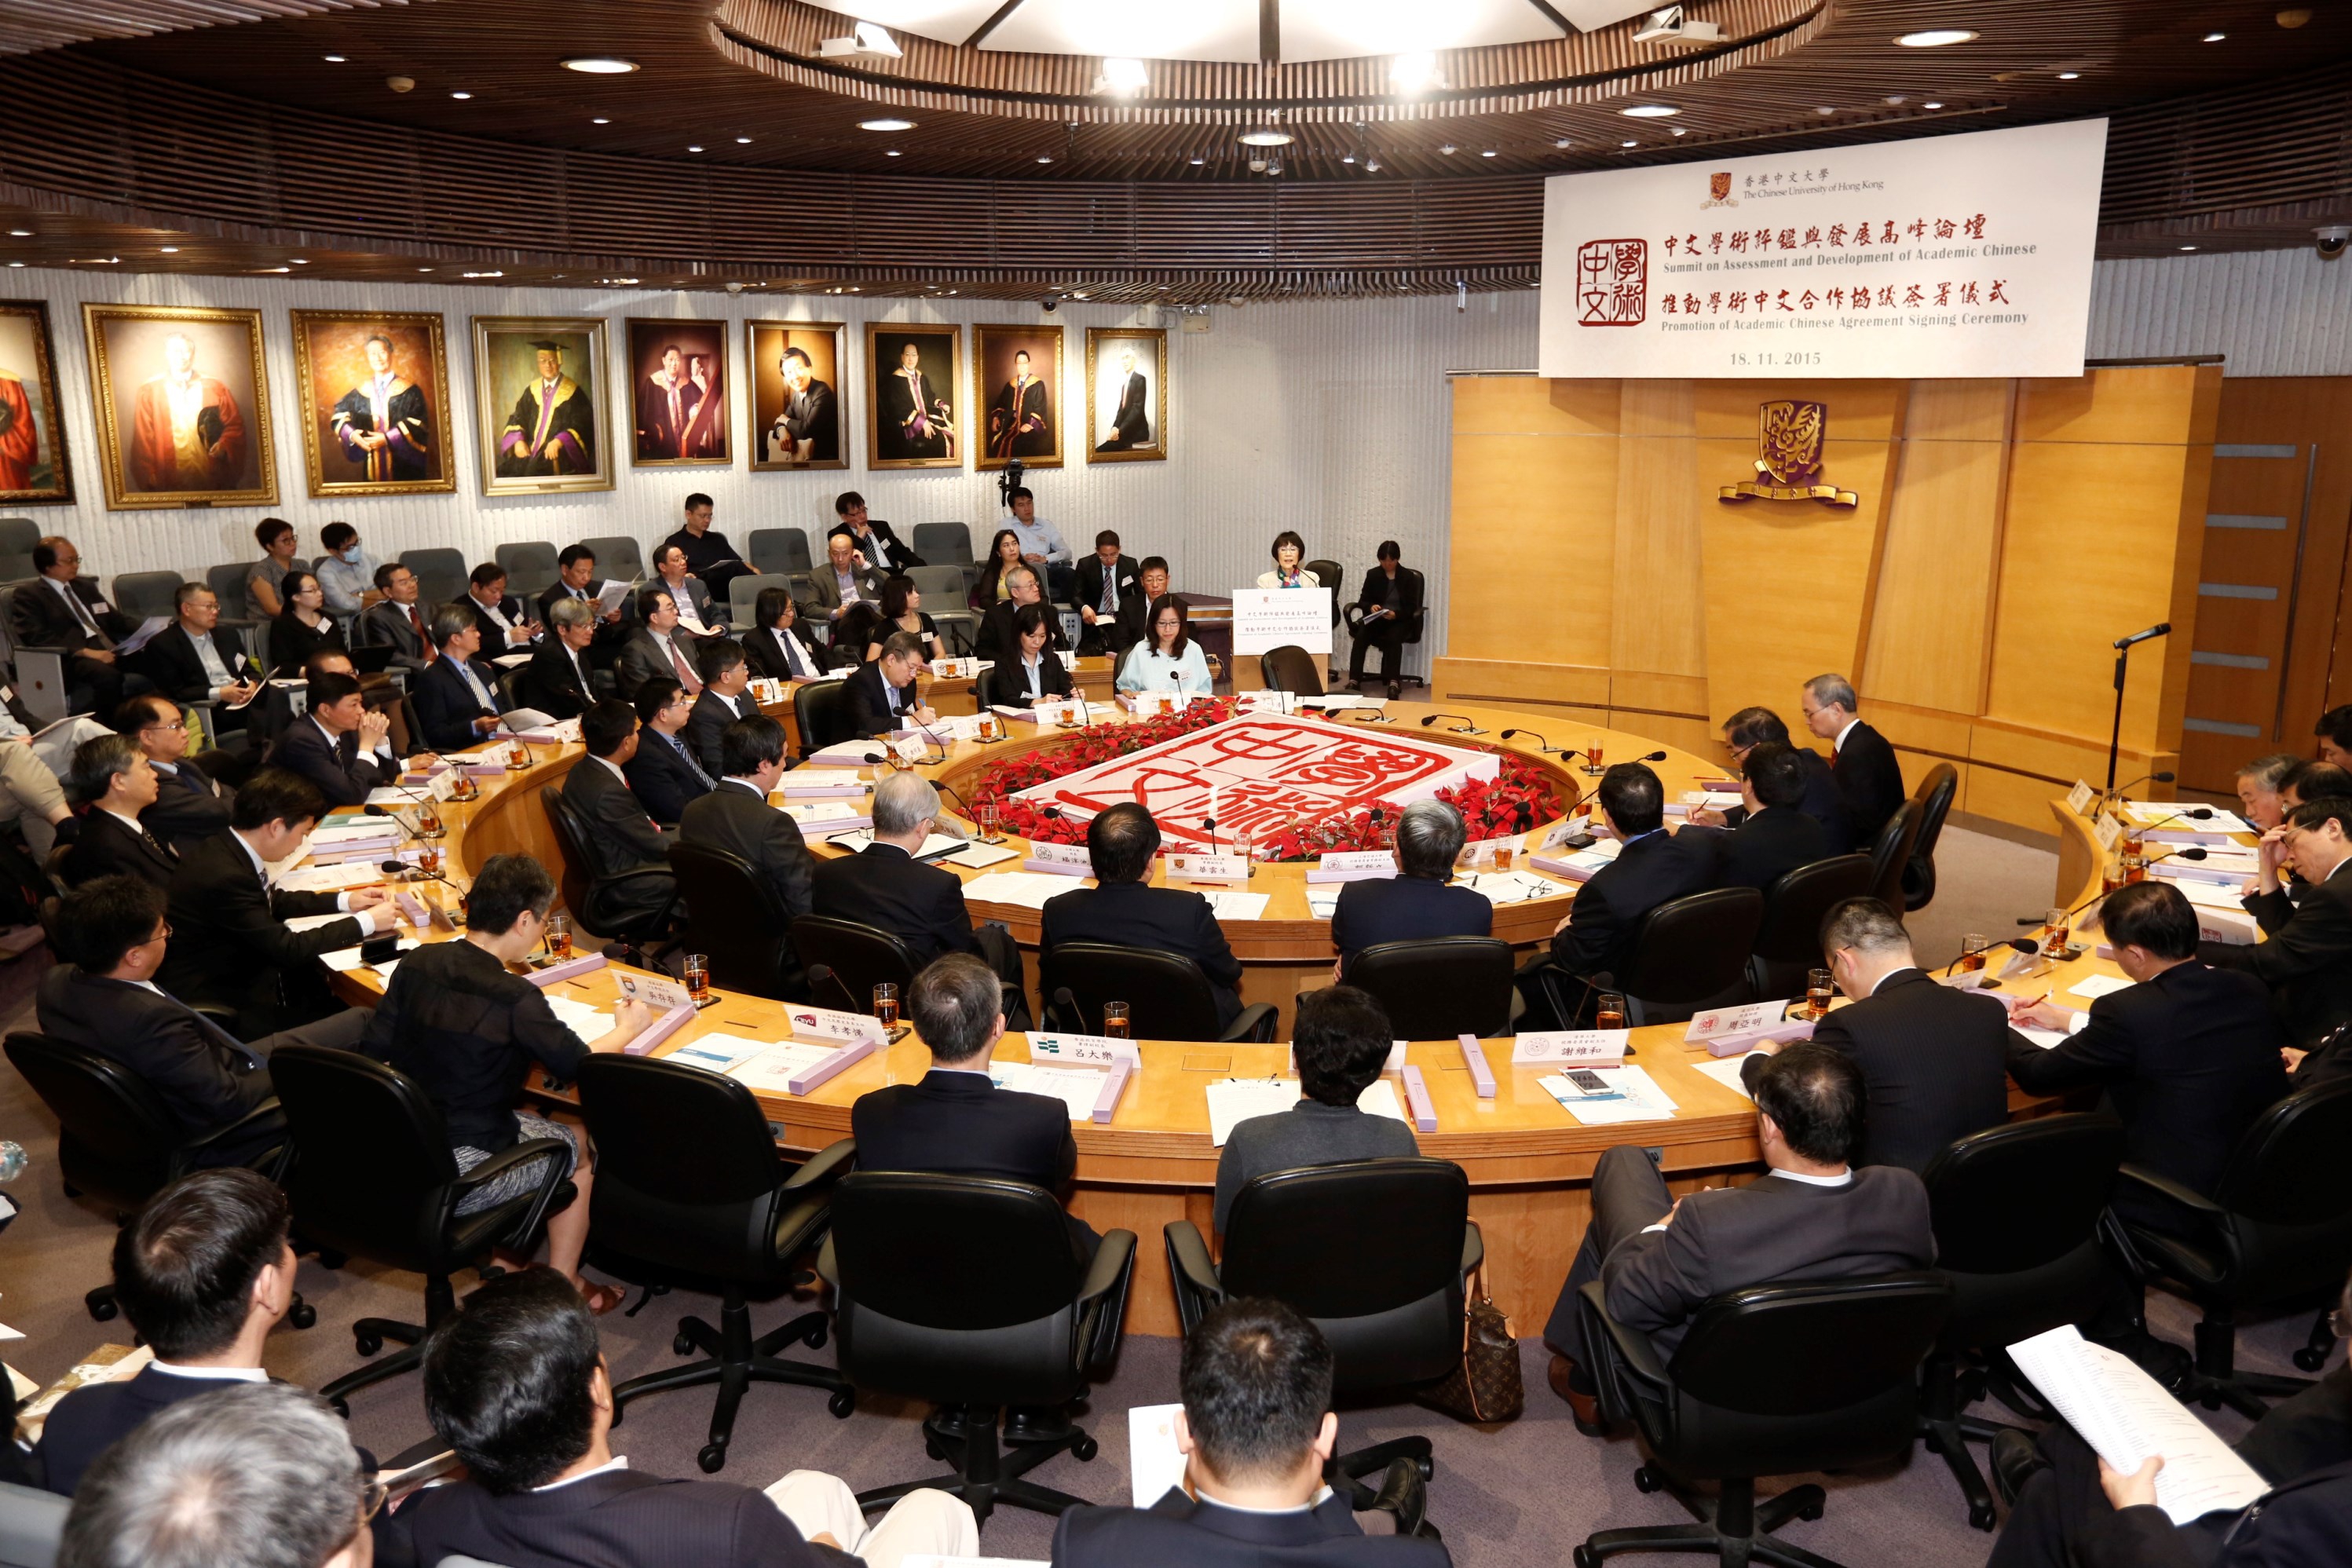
(1102, 1299)
(183, 1158)
(1625, 1363)
(2165, 1187)
(1256, 1022)
(1197, 1286)
(1474, 1250)
(507, 1160)
(825, 1166)
(827, 1268)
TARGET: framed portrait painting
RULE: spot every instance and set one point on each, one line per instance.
(1126, 394)
(796, 384)
(375, 388)
(183, 407)
(912, 373)
(677, 394)
(540, 403)
(1016, 383)
(33, 467)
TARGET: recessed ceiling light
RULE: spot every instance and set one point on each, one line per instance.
(742, 141)
(600, 65)
(1198, 162)
(1348, 158)
(1448, 150)
(21, 234)
(2070, 75)
(1650, 112)
(1680, 131)
(16, 264)
(1414, 72)
(695, 149)
(1042, 159)
(886, 125)
(1565, 141)
(1826, 109)
(2189, 248)
(892, 152)
(277, 269)
(1931, 104)
(1628, 145)
(2215, 37)
(600, 121)
(1266, 139)
(1489, 153)
(500, 274)
(461, 95)
(300, 260)
(423, 269)
(334, 59)
(1936, 37)
(1122, 75)
(171, 250)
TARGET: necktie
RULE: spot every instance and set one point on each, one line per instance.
(156, 844)
(685, 674)
(424, 642)
(1110, 592)
(694, 768)
(88, 622)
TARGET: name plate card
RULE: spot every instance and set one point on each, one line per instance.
(2109, 831)
(1354, 865)
(1280, 702)
(2079, 798)
(955, 669)
(911, 749)
(445, 784)
(1061, 860)
(1084, 1050)
(1487, 852)
(1209, 868)
(1559, 832)
(1571, 1048)
(662, 996)
(831, 1024)
(1064, 710)
(1728, 1032)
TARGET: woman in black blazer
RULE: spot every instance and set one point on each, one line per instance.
(1035, 671)
(304, 628)
(776, 615)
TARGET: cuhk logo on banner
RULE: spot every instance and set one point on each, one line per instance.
(1718, 191)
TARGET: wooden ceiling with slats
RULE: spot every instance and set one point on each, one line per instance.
(226, 134)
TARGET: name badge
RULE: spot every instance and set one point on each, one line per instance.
(1579, 1047)
(827, 1023)
(1086, 1050)
(1748, 1018)
(1063, 855)
(2079, 798)
(1209, 868)
(657, 994)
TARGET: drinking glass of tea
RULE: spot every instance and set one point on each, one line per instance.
(697, 978)
(1610, 1012)
(1114, 1021)
(886, 1003)
(1821, 989)
(559, 937)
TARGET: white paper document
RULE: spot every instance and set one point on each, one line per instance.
(1512, 886)
(813, 815)
(1152, 1460)
(2046, 1038)
(2098, 986)
(1027, 889)
(1727, 1073)
(716, 1052)
(312, 922)
(2152, 813)
(772, 1069)
(1077, 1087)
(330, 878)
(1632, 1095)
(2125, 1416)
(587, 1022)
(1235, 1100)
(977, 856)
(2211, 894)
(515, 721)
(1322, 902)
(1235, 905)
(817, 780)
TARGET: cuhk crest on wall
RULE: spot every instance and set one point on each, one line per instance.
(1789, 439)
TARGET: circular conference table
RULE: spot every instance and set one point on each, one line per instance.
(1528, 1161)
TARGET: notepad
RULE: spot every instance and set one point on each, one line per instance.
(1727, 1073)
(1233, 1101)
(977, 856)
(717, 1052)
(1636, 1097)
(2098, 986)
(1079, 1088)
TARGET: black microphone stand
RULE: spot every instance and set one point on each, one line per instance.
(2123, 662)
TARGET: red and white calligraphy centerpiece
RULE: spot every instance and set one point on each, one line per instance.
(1256, 773)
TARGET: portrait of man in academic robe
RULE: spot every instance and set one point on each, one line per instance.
(677, 399)
(1017, 378)
(182, 404)
(914, 371)
(375, 402)
(541, 398)
(32, 444)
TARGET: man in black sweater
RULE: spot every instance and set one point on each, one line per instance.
(1934, 1060)
(1867, 773)
(2307, 957)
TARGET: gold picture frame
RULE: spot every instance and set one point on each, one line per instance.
(225, 445)
(34, 468)
(1024, 424)
(898, 434)
(821, 440)
(1110, 406)
(349, 446)
(506, 374)
(701, 434)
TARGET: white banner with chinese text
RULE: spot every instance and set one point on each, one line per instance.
(1946, 256)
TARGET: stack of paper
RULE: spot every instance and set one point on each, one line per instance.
(1027, 889)
(814, 817)
(977, 856)
(330, 878)
(1079, 1088)
(1512, 886)
(1727, 1073)
(2098, 986)
(716, 1052)
(810, 783)
(1236, 905)
(1236, 1100)
(771, 1069)
(1632, 1095)
(2209, 895)
(1322, 902)
(582, 1019)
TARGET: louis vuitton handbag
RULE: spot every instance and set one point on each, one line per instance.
(1486, 1387)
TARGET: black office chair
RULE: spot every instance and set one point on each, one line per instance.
(733, 916)
(592, 899)
(2016, 1210)
(1689, 952)
(1167, 995)
(1377, 1252)
(119, 1142)
(1933, 797)
(690, 1188)
(844, 960)
(820, 712)
(966, 1291)
(1890, 854)
(2277, 1228)
(372, 1177)
(1290, 668)
(1440, 986)
(1769, 1380)
(1789, 942)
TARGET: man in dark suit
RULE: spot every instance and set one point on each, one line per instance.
(1934, 1060)
(204, 1273)
(1812, 1215)
(956, 1120)
(622, 837)
(736, 817)
(104, 1000)
(340, 745)
(2188, 1055)
(514, 1382)
(457, 695)
(113, 779)
(396, 621)
(998, 638)
(59, 608)
(871, 538)
(1135, 617)
(885, 887)
(1595, 938)
(556, 682)
(809, 428)
(1419, 902)
(506, 625)
(190, 804)
(576, 580)
(1106, 580)
(714, 563)
(234, 946)
(1750, 728)
(1256, 1430)
(1774, 836)
(1868, 775)
(2306, 957)
(881, 692)
(726, 679)
(1128, 913)
(192, 660)
(780, 646)
(663, 772)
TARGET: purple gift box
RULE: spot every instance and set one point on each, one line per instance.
(660, 1029)
(816, 1074)
(1475, 1057)
(1417, 1101)
(1114, 1085)
(586, 964)
(1559, 867)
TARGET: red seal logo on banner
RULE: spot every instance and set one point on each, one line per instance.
(1612, 282)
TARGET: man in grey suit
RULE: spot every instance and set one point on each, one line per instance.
(1811, 1216)
(621, 836)
(395, 620)
(847, 578)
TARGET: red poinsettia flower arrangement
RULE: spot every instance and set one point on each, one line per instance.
(1519, 795)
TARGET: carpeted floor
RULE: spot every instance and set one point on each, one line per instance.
(1515, 1496)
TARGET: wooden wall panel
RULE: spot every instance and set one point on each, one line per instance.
(1931, 629)
(1533, 459)
(1657, 622)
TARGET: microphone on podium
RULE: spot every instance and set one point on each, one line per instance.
(2161, 629)
(1467, 726)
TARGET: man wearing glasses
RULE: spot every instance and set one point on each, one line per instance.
(189, 805)
(1750, 728)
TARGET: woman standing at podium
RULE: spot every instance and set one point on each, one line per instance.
(1289, 550)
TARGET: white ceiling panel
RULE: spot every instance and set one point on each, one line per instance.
(1156, 30)
(1339, 29)
(947, 21)
(1591, 15)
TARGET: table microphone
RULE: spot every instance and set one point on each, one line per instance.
(415, 873)
(1654, 756)
(2164, 777)
(2022, 944)
(956, 796)
(1467, 726)
(1548, 748)
(2197, 814)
